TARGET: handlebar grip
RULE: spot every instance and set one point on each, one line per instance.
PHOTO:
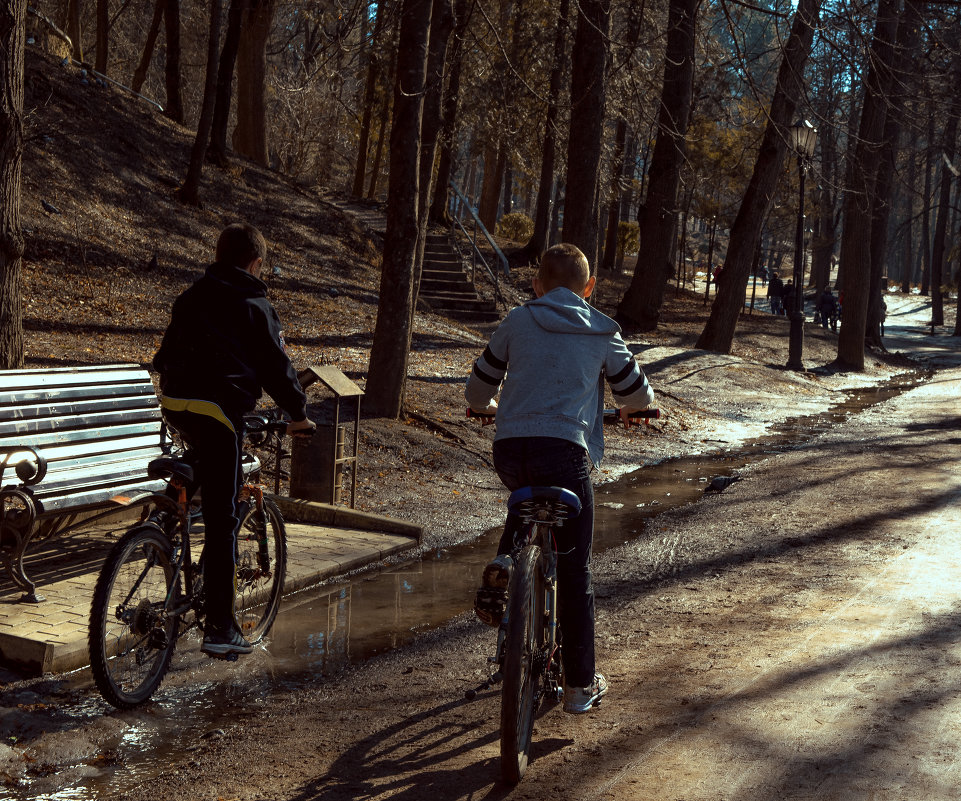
(486, 419)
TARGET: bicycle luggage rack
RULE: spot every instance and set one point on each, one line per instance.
(317, 464)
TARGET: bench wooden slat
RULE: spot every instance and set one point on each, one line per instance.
(11, 380)
(99, 495)
(84, 450)
(34, 404)
(58, 430)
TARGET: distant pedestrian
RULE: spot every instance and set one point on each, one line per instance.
(884, 314)
(775, 291)
(827, 309)
(787, 297)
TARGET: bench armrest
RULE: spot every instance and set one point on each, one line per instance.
(30, 468)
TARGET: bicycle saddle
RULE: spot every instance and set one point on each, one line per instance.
(559, 499)
(167, 468)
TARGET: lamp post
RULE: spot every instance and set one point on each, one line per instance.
(803, 139)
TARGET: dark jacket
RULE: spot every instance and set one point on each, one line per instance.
(775, 287)
(224, 345)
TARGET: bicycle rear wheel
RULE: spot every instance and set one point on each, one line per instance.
(131, 636)
(261, 569)
(523, 646)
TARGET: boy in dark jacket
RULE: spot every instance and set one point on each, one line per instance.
(549, 433)
(223, 347)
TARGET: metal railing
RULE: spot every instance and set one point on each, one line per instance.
(458, 206)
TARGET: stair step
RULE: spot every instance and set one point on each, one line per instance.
(464, 316)
(459, 304)
(434, 286)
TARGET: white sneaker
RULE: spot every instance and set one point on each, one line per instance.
(578, 700)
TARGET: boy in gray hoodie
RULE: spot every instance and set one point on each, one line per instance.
(549, 433)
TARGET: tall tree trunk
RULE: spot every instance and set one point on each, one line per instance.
(614, 206)
(190, 191)
(441, 25)
(174, 106)
(588, 86)
(925, 244)
(657, 218)
(74, 28)
(387, 374)
(103, 35)
(250, 135)
(537, 244)
(902, 85)
(217, 148)
(718, 334)
(383, 133)
(860, 188)
(439, 213)
(491, 185)
(12, 42)
(367, 114)
(140, 74)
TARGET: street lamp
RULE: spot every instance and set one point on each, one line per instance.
(803, 139)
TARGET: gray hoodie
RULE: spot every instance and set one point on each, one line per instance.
(559, 348)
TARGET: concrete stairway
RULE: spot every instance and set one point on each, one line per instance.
(446, 287)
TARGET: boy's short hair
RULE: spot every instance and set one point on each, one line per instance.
(239, 244)
(564, 265)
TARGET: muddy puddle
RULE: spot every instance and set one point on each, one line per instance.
(321, 631)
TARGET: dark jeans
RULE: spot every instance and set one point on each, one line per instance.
(217, 472)
(548, 461)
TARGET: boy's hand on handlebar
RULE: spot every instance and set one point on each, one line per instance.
(486, 414)
(627, 415)
(301, 428)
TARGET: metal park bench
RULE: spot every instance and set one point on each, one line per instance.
(70, 440)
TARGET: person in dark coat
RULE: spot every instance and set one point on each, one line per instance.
(828, 309)
(223, 347)
(775, 291)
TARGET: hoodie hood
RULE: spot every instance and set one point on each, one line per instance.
(563, 312)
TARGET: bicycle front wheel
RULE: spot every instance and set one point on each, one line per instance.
(131, 636)
(261, 568)
(524, 643)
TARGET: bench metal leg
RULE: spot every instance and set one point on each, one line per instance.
(14, 565)
(14, 539)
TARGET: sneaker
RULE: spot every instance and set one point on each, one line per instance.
(490, 603)
(578, 700)
(218, 642)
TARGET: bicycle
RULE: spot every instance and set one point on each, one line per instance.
(527, 657)
(149, 584)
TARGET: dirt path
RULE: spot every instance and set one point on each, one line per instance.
(795, 637)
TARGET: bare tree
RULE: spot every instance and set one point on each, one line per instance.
(658, 216)
(250, 135)
(74, 29)
(140, 74)
(387, 373)
(545, 186)
(860, 188)
(12, 40)
(103, 35)
(588, 85)
(445, 165)
(718, 333)
(217, 148)
(190, 191)
(175, 104)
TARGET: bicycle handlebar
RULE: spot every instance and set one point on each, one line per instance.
(258, 424)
